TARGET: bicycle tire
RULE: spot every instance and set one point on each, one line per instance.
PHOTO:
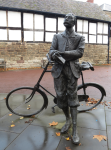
(15, 101)
(95, 94)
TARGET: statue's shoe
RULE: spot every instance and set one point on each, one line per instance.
(65, 127)
(75, 139)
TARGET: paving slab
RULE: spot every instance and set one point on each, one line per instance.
(109, 136)
(3, 108)
(106, 98)
(36, 138)
(108, 118)
(7, 121)
(108, 106)
(6, 138)
(85, 105)
(47, 116)
(94, 119)
(86, 140)
(3, 96)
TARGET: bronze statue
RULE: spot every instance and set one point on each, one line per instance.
(70, 46)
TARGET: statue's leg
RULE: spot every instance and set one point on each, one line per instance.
(60, 86)
(68, 121)
(75, 137)
(73, 103)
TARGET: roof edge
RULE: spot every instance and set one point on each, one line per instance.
(49, 13)
(92, 19)
(31, 11)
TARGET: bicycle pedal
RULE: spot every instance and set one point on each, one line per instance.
(53, 109)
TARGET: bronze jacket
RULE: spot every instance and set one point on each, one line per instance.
(76, 50)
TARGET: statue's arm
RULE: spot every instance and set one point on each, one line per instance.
(54, 46)
(75, 54)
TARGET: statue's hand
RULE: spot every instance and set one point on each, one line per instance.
(55, 54)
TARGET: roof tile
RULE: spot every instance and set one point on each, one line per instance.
(83, 9)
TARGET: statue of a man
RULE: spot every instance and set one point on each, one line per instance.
(70, 46)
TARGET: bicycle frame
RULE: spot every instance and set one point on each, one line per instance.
(38, 82)
(45, 70)
(38, 87)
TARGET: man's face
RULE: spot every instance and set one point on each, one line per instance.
(69, 21)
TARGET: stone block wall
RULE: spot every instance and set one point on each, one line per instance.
(23, 55)
(95, 54)
(29, 55)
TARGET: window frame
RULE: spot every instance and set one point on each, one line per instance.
(9, 28)
(47, 15)
(90, 21)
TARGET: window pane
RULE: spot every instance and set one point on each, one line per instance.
(39, 36)
(3, 34)
(39, 22)
(50, 24)
(105, 30)
(92, 39)
(14, 19)
(15, 35)
(79, 25)
(49, 36)
(100, 27)
(105, 39)
(92, 28)
(60, 24)
(3, 18)
(85, 26)
(28, 20)
(86, 37)
(99, 39)
(28, 35)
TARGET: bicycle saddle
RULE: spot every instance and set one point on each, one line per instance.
(86, 66)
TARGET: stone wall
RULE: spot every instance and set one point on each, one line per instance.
(29, 55)
(95, 54)
(23, 55)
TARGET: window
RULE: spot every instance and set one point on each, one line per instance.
(61, 27)
(3, 34)
(10, 26)
(50, 28)
(82, 28)
(94, 32)
(14, 19)
(3, 23)
(39, 27)
(102, 33)
(15, 35)
(29, 27)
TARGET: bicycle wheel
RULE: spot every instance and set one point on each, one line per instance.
(15, 101)
(93, 97)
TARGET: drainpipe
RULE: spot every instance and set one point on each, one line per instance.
(108, 40)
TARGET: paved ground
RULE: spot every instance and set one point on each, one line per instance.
(35, 133)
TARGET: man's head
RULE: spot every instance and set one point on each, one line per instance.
(69, 20)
